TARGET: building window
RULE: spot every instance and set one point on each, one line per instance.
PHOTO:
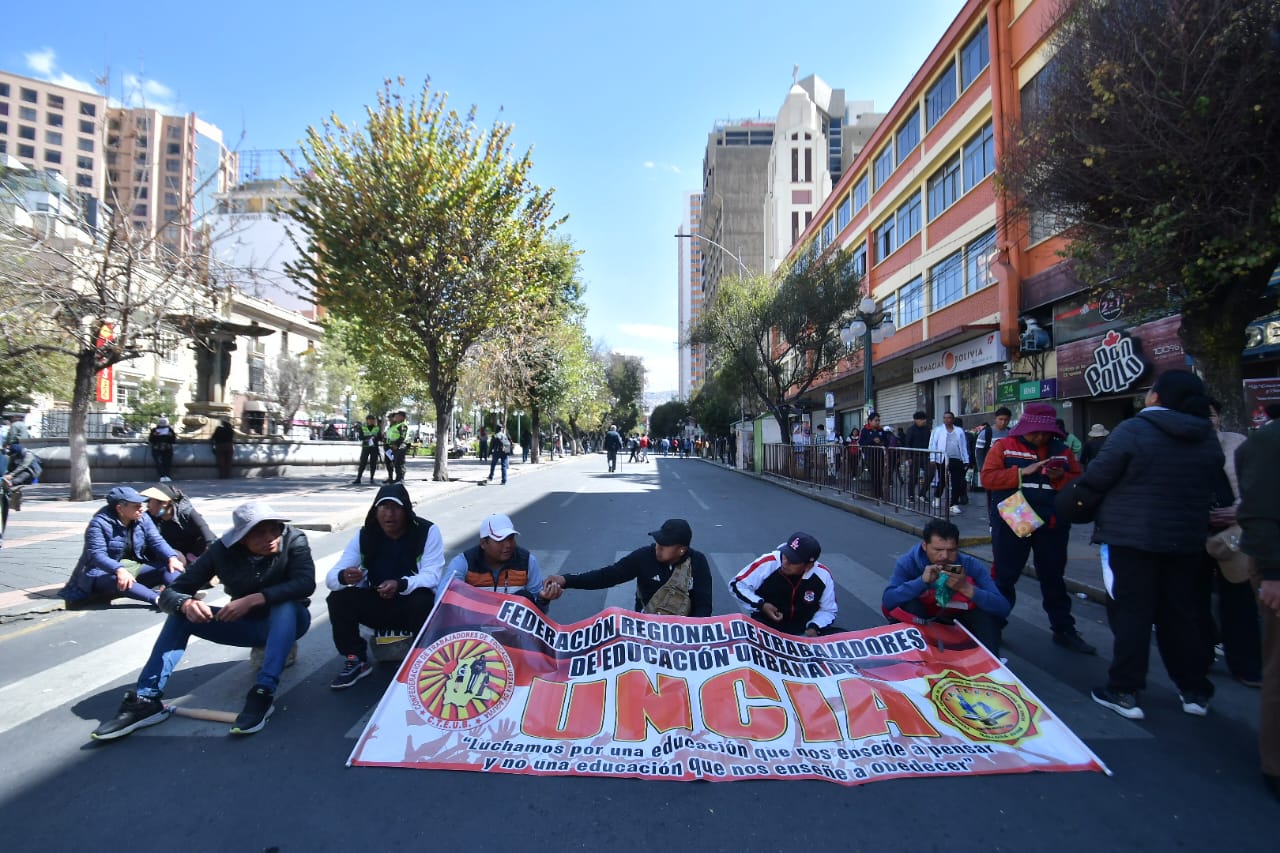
(53, 119)
(83, 180)
(979, 157)
(171, 199)
(940, 97)
(977, 270)
(139, 210)
(28, 95)
(795, 226)
(86, 126)
(140, 192)
(27, 151)
(885, 242)
(4, 108)
(908, 216)
(84, 162)
(946, 282)
(889, 305)
(26, 132)
(52, 137)
(843, 213)
(808, 164)
(860, 259)
(85, 145)
(795, 165)
(4, 90)
(175, 132)
(142, 141)
(26, 114)
(860, 194)
(88, 109)
(52, 156)
(977, 392)
(54, 101)
(4, 127)
(883, 166)
(828, 233)
(911, 301)
(173, 148)
(974, 57)
(944, 187)
(257, 375)
(908, 135)
(172, 165)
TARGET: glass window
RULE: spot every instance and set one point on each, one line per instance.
(83, 180)
(173, 148)
(171, 199)
(885, 243)
(944, 187)
(909, 219)
(85, 145)
(883, 166)
(28, 95)
(889, 305)
(860, 259)
(53, 137)
(26, 132)
(911, 301)
(974, 57)
(4, 108)
(979, 157)
(84, 162)
(53, 119)
(26, 114)
(175, 132)
(977, 271)
(946, 282)
(171, 165)
(55, 101)
(4, 127)
(860, 194)
(142, 141)
(908, 135)
(828, 233)
(139, 210)
(4, 90)
(27, 151)
(940, 97)
(87, 109)
(844, 213)
(86, 126)
(113, 142)
(977, 393)
(52, 156)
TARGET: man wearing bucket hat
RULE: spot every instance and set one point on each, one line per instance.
(266, 568)
(652, 567)
(1093, 444)
(1034, 457)
(789, 589)
(124, 554)
(386, 579)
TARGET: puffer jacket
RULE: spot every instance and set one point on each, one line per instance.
(1159, 472)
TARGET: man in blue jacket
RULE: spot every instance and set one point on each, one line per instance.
(934, 582)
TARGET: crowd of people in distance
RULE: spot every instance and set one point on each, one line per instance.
(1151, 520)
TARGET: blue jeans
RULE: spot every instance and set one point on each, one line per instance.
(277, 630)
(506, 462)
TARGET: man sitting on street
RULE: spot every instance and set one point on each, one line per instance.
(386, 579)
(498, 564)
(789, 589)
(266, 568)
(934, 582)
(653, 568)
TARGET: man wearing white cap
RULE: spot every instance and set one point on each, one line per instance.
(498, 564)
(266, 568)
(386, 579)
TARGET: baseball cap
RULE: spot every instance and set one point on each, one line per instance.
(245, 517)
(388, 499)
(497, 527)
(800, 548)
(674, 531)
(125, 494)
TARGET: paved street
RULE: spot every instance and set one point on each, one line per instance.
(1179, 781)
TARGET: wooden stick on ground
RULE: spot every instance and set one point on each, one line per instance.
(210, 714)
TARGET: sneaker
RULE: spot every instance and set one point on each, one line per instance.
(166, 480)
(257, 653)
(1195, 704)
(353, 669)
(1073, 641)
(1124, 704)
(136, 712)
(258, 706)
(955, 510)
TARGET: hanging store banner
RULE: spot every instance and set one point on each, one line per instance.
(1258, 394)
(1120, 361)
(975, 353)
(493, 686)
(105, 381)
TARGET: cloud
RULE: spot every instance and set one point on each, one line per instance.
(666, 167)
(43, 64)
(151, 94)
(649, 331)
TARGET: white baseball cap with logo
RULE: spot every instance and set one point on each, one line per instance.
(497, 527)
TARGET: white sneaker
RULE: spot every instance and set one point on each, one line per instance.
(955, 510)
(165, 480)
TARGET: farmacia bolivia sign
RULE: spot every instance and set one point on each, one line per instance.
(493, 686)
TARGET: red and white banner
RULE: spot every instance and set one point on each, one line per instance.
(491, 685)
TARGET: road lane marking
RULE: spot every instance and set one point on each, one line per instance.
(699, 500)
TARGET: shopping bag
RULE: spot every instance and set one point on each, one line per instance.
(1017, 512)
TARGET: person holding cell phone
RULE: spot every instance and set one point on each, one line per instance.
(1035, 457)
(934, 582)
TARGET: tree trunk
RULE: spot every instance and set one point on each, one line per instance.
(78, 476)
(535, 430)
(444, 439)
(1215, 339)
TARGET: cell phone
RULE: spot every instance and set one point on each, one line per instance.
(1055, 462)
(953, 569)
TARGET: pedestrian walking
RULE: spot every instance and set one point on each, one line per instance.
(948, 459)
(224, 451)
(500, 453)
(160, 440)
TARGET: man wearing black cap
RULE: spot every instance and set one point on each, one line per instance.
(789, 589)
(651, 568)
(386, 579)
(266, 568)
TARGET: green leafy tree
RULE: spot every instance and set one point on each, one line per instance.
(666, 418)
(416, 225)
(1153, 143)
(23, 377)
(150, 403)
(716, 405)
(625, 377)
(781, 337)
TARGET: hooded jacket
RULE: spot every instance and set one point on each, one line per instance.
(417, 558)
(1159, 472)
(105, 541)
(288, 575)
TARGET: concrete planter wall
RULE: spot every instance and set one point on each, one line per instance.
(127, 461)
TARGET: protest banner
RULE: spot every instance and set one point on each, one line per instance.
(492, 685)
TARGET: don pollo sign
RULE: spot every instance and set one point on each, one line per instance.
(493, 686)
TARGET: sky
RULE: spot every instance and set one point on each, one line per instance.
(615, 99)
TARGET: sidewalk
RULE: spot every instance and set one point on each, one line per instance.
(1084, 567)
(43, 541)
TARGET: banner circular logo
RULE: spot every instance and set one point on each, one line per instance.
(982, 708)
(461, 680)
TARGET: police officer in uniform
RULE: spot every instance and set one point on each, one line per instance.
(397, 445)
(370, 438)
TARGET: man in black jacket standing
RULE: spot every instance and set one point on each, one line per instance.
(266, 567)
(918, 438)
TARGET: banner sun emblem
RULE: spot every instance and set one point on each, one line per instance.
(461, 681)
(984, 709)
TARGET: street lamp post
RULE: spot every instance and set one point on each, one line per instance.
(742, 266)
(871, 326)
(519, 413)
(475, 420)
(347, 392)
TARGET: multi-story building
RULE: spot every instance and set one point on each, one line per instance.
(735, 174)
(45, 126)
(690, 299)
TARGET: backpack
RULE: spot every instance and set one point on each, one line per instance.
(506, 444)
(673, 597)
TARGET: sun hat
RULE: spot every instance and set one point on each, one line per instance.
(1038, 417)
(247, 516)
(1098, 431)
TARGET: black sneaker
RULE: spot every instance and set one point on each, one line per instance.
(1124, 704)
(353, 669)
(258, 706)
(136, 712)
(1072, 640)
